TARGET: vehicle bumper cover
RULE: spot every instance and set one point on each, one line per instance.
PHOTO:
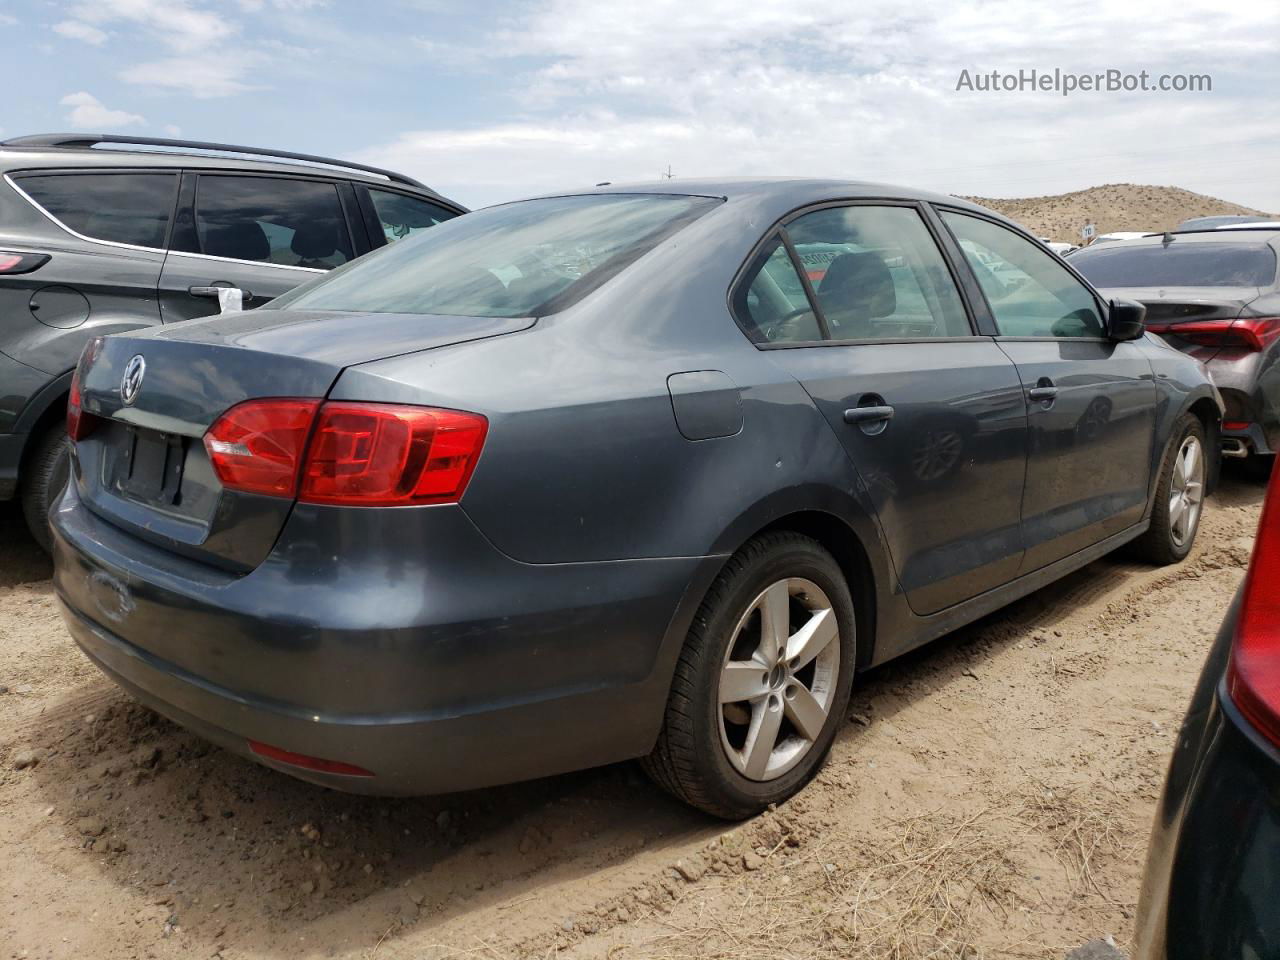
(483, 671)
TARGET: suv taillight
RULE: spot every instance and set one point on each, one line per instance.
(1253, 676)
(1249, 333)
(353, 454)
(12, 262)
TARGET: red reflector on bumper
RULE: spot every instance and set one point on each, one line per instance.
(307, 763)
(1236, 425)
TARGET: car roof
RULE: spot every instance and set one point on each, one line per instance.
(22, 157)
(1255, 236)
(785, 193)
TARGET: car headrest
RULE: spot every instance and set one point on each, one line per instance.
(242, 240)
(315, 240)
(859, 284)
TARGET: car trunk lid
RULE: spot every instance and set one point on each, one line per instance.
(144, 466)
(1171, 307)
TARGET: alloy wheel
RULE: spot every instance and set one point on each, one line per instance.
(778, 681)
(1186, 491)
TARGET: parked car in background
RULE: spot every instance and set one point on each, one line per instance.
(1061, 249)
(646, 471)
(96, 241)
(1212, 875)
(1252, 225)
(1215, 296)
(1213, 223)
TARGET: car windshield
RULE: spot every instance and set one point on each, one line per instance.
(521, 259)
(1174, 265)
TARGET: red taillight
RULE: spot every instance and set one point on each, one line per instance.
(1236, 424)
(370, 454)
(306, 762)
(79, 423)
(11, 263)
(357, 454)
(1253, 677)
(257, 446)
(1249, 333)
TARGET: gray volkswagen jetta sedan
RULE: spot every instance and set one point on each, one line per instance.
(646, 471)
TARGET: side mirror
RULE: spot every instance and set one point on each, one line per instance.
(1125, 320)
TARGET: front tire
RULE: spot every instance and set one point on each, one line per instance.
(1175, 519)
(44, 475)
(762, 682)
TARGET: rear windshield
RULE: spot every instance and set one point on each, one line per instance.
(1174, 265)
(516, 260)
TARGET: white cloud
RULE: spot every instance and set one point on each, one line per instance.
(78, 30)
(204, 78)
(724, 88)
(89, 113)
(176, 23)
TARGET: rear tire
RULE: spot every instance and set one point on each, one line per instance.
(44, 474)
(733, 758)
(1175, 518)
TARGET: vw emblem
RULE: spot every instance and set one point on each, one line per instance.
(131, 382)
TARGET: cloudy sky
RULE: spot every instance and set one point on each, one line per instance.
(488, 101)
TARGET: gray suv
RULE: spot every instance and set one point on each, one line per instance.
(149, 231)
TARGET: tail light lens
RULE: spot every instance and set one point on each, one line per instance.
(14, 263)
(354, 454)
(1248, 333)
(384, 455)
(1253, 677)
(79, 423)
(257, 446)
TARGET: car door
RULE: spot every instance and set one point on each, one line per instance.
(1091, 400)
(261, 234)
(857, 302)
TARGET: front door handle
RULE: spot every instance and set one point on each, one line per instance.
(868, 414)
(1043, 391)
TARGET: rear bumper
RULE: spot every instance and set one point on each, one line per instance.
(467, 672)
(1251, 391)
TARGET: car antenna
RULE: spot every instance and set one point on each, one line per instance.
(1167, 238)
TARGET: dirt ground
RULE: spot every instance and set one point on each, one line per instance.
(990, 796)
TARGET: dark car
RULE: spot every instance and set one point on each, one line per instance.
(1213, 223)
(1212, 883)
(96, 241)
(1216, 296)
(648, 471)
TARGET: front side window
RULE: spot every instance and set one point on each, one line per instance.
(132, 208)
(875, 273)
(524, 259)
(1179, 264)
(293, 223)
(1030, 292)
(403, 216)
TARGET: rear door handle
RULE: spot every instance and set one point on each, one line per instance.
(868, 414)
(212, 292)
(1042, 393)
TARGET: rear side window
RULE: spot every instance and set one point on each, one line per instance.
(875, 272)
(1179, 264)
(293, 223)
(1030, 291)
(402, 216)
(132, 208)
(525, 259)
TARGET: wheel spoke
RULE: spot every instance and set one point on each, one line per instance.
(761, 738)
(804, 711)
(775, 621)
(1192, 462)
(1194, 491)
(811, 639)
(743, 680)
(1179, 472)
(1177, 510)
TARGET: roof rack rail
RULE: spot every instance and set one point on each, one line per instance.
(93, 139)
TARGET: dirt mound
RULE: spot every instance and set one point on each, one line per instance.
(1111, 207)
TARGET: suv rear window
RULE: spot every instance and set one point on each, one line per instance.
(1202, 264)
(523, 259)
(131, 208)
